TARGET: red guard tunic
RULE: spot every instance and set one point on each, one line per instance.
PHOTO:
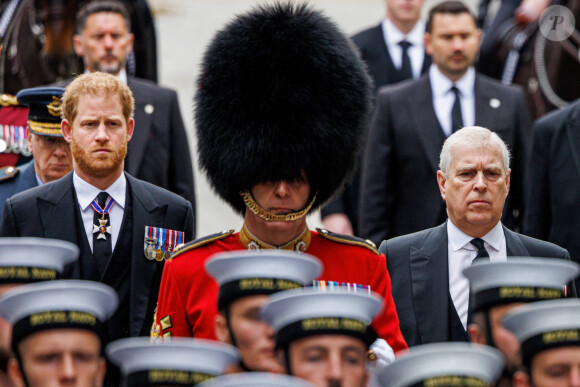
(187, 303)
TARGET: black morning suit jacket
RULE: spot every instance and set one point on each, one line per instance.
(552, 184)
(418, 266)
(51, 211)
(399, 191)
(375, 54)
(158, 151)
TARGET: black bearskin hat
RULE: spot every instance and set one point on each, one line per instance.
(282, 91)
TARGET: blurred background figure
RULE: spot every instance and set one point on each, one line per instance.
(58, 334)
(498, 287)
(52, 155)
(24, 261)
(246, 279)
(324, 335)
(176, 362)
(516, 48)
(549, 335)
(444, 364)
(552, 188)
(37, 42)
(393, 51)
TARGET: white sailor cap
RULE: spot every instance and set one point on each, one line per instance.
(444, 364)
(57, 304)
(175, 362)
(243, 273)
(27, 260)
(545, 325)
(256, 379)
(519, 279)
(298, 313)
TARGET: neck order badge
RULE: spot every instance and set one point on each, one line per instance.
(102, 227)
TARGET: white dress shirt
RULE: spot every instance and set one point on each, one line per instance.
(443, 97)
(460, 255)
(416, 52)
(86, 193)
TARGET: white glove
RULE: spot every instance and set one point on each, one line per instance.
(384, 356)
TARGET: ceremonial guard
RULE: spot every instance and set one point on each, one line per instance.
(282, 104)
(43, 138)
(185, 362)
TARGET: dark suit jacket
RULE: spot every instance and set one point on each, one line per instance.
(375, 54)
(25, 179)
(418, 266)
(158, 151)
(552, 184)
(48, 211)
(399, 191)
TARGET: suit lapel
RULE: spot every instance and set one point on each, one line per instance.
(143, 122)
(146, 212)
(485, 115)
(430, 283)
(56, 205)
(513, 245)
(431, 135)
(572, 130)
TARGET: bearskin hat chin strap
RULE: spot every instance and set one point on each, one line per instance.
(262, 213)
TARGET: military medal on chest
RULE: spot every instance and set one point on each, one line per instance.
(160, 242)
(102, 227)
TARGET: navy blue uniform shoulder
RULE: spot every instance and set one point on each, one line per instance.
(348, 240)
(8, 173)
(183, 248)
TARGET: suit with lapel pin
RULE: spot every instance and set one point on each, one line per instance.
(552, 187)
(399, 191)
(52, 211)
(419, 269)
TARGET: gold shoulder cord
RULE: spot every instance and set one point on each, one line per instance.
(256, 209)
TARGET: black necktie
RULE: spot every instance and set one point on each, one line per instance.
(102, 249)
(482, 254)
(405, 72)
(456, 119)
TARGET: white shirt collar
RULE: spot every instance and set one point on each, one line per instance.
(86, 192)
(458, 239)
(393, 36)
(440, 84)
